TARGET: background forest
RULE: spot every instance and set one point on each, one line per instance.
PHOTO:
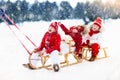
(21, 11)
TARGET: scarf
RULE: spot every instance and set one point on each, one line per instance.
(93, 32)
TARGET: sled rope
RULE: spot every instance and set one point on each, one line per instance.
(19, 29)
(16, 36)
(3, 15)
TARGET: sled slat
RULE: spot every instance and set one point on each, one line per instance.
(87, 50)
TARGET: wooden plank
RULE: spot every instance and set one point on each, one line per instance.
(70, 64)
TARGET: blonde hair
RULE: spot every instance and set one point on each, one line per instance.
(85, 29)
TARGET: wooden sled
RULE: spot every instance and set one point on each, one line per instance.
(37, 62)
(87, 53)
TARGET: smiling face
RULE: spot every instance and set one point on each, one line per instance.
(51, 29)
(95, 27)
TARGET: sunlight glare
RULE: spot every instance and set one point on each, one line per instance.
(111, 1)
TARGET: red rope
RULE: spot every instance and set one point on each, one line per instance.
(19, 29)
(16, 36)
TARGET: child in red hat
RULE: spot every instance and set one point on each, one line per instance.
(51, 43)
(92, 39)
(74, 32)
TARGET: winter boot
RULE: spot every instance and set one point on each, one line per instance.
(92, 58)
(56, 67)
(79, 56)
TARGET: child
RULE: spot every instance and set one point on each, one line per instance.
(51, 43)
(74, 32)
(92, 39)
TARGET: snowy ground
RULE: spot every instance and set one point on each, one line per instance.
(13, 55)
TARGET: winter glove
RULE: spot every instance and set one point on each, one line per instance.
(87, 42)
(35, 50)
(59, 23)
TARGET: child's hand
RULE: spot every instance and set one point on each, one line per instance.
(88, 42)
(59, 23)
(35, 50)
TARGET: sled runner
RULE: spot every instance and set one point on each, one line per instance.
(67, 59)
(87, 53)
(35, 60)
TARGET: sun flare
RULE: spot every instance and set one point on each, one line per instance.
(106, 1)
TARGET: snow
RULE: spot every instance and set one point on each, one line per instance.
(13, 55)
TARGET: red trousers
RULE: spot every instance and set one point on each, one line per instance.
(95, 49)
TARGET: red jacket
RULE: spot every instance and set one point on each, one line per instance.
(50, 41)
(77, 37)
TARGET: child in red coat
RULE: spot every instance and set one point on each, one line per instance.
(74, 32)
(92, 39)
(51, 43)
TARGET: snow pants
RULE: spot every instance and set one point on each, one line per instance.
(95, 49)
(54, 56)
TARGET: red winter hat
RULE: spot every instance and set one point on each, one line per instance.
(98, 21)
(80, 28)
(54, 25)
